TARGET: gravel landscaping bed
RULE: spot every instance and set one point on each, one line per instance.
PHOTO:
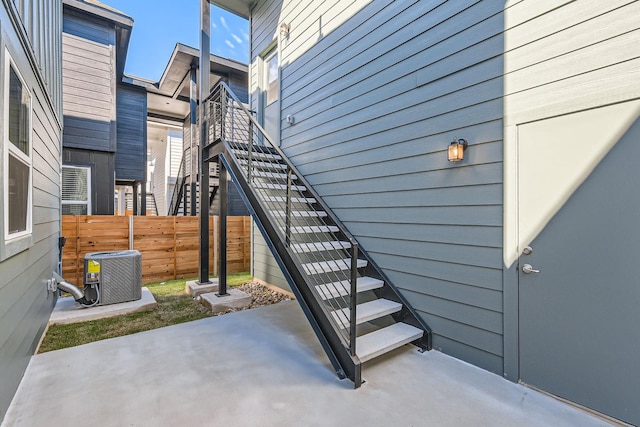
(260, 296)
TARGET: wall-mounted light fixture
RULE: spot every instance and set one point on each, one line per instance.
(456, 149)
(284, 29)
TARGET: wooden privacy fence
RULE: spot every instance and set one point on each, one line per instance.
(169, 245)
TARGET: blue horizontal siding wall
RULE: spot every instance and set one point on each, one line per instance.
(131, 153)
(378, 90)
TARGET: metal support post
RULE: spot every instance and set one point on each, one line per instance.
(353, 300)
(205, 75)
(143, 198)
(184, 201)
(134, 198)
(222, 234)
(193, 142)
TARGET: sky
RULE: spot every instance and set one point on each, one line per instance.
(159, 24)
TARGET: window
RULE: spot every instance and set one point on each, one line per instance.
(76, 190)
(17, 154)
(272, 83)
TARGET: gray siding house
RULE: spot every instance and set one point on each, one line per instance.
(31, 136)
(104, 110)
(521, 257)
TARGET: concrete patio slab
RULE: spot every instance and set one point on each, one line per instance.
(264, 367)
(68, 311)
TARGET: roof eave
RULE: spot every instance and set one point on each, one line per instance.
(195, 54)
(241, 8)
(122, 23)
(109, 14)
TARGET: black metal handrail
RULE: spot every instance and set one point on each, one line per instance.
(254, 122)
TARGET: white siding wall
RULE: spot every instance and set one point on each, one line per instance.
(563, 58)
(159, 155)
(175, 148)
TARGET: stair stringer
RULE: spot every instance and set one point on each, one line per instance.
(345, 365)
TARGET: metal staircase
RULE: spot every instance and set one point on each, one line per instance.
(354, 309)
(181, 197)
(152, 207)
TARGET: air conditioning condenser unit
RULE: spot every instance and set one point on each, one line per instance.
(113, 277)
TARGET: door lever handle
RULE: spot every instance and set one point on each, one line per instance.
(528, 269)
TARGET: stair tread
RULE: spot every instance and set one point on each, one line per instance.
(269, 186)
(367, 311)
(281, 199)
(313, 229)
(256, 155)
(383, 340)
(300, 214)
(272, 175)
(264, 165)
(320, 246)
(333, 265)
(343, 288)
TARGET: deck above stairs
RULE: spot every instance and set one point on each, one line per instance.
(355, 310)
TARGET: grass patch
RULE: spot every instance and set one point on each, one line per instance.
(174, 306)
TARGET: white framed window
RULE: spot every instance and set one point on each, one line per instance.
(17, 147)
(272, 80)
(76, 190)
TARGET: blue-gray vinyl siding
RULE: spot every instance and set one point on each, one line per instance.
(239, 85)
(102, 165)
(25, 304)
(235, 204)
(131, 153)
(263, 264)
(377, 98)
(85, 27)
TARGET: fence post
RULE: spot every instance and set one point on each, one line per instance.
(78, 275)
(175, 249)
(246, 264)
(130, 232)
